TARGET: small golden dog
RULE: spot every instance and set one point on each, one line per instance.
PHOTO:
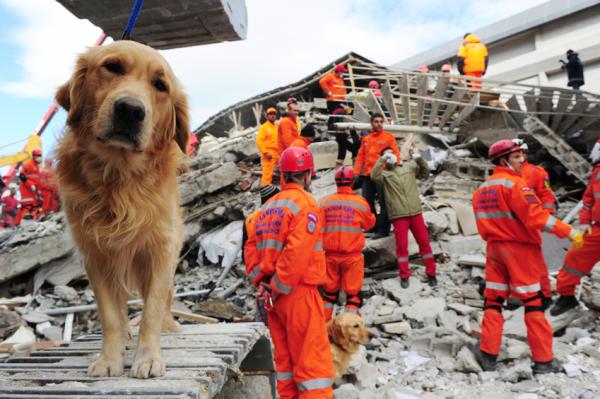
(127, 131)
(346, 333)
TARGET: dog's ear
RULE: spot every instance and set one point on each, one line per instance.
(336, 332)
(69, 95)
(182, 122)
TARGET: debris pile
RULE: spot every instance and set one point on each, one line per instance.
(421, 337)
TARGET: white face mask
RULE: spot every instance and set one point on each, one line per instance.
(595, 154)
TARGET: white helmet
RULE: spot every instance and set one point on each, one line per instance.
(521, 143)
(595, 154)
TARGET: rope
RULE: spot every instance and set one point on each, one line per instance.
(135, 12)
(13, 143)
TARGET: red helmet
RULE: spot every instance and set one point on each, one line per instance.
(502, 148)
(341, 68)
(296, 159)
(36, 153)
(373, 84)
(344, 176)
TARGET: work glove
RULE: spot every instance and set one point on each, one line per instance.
(576, 238)
(586, 228)
(416, 155)
(390, 158)
(265, 294)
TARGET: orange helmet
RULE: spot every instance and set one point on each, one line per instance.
(296, 159)
(502, 148)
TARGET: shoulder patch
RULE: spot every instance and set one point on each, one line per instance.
(312, 217)
(526, 188)
(312, 223)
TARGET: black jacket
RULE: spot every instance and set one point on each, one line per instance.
(574, 70)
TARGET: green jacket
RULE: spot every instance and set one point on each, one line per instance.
(400, 189)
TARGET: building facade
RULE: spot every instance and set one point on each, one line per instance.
(527, 47)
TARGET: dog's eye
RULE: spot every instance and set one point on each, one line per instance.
(114, 67)
(159, 85)
(356, 326)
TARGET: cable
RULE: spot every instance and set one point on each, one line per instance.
(135, 12)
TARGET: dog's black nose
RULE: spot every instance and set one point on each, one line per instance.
(129, 110)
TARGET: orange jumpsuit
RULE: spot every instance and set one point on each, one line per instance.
(509, 217)
(580, 261)
(537, 178)
(48, 191)
(267, 143)
(29, 202)
(301, 142)
(345, 215)
(370, 150)
(287, 132)
(330, 83)
(285, 246)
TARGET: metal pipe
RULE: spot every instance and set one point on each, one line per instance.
(389, 128)
(93, 306)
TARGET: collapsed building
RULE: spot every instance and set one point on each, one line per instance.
(419, 336)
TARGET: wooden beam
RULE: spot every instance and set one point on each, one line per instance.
(564, 100)
(360, 113)
(545, 104)
(456, 98)
(388, 101)
(440, 91)
(580, 106)
(373, 104)
(405, 98)
(421, 92)
(465, 112)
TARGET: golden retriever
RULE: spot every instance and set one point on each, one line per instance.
(346, 333)
(127, 130)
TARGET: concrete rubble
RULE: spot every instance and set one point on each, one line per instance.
(421, 337)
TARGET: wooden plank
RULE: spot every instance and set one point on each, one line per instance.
(440, 91)
(513, 103)
(388, 101)
(404, 89)
(584, 122)
(564, 101)
(193, 317)
(456, 97)
(530, 100)
(421, 92)
(373, 104)
(580, 106)
(465, 112)
(360, 113)
(545, 104)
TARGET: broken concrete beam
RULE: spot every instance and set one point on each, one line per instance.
(476, 260)
(209, 180)
(425, 308)
(33, 254)
(458, 245)
(396, 328)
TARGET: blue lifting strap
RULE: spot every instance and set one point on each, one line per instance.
(135, 12)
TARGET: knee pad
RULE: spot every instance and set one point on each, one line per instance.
(354, 300)
(534, 303)
(331, 297)
(494, 304)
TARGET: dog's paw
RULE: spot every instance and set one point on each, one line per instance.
(104, 367)
(170, 325)
(147, 365)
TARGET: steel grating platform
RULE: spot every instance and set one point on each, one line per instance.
(199, 360)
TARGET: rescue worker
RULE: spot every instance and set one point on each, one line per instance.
(29, 199)
(374, 86)
(579, 262)
(267, 143)
(48, 188)
(31, 168)
(574, 69)
(248, 256)
(10, 206)
(307, 136)
(473, 59)
(537, 178)
(509, 217)
(345, 215)
(371, 147)
(289, 265)
(401, 194)
(193, 145)
(288, 129)
(333, 87)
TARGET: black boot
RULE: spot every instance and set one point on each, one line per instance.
(432, 281)
(404, 283)
(485, 360)
(563, 304)
(553, 366)
(546, 303)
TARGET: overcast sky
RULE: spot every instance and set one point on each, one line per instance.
(287, 40)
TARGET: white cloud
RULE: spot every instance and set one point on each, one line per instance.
(286, 41)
